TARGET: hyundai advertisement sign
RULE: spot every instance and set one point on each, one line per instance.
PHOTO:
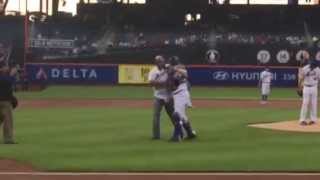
(72, 73)
(240, 76)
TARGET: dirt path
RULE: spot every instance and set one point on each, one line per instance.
(157, 176)
(7, 165)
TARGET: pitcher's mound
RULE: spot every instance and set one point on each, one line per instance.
(293, 126)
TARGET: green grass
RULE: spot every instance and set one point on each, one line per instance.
(118, 139)
(143, 92)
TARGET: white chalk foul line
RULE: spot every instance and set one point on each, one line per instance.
(152, 174)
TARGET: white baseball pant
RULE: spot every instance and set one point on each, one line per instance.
(265, 88)
(310, 100)
(181, 102)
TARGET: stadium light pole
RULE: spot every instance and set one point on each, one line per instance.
(26, 36)
(40, 5)
(19, 6)
(26, 7)
(47, 7)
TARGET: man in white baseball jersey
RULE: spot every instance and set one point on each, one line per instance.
(158, 77)
(308, 80)
(265, 84)
(181, 98)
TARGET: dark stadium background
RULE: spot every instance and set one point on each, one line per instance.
(195, 30)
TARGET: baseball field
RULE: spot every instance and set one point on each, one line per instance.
(82, 128)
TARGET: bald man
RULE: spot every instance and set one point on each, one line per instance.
(158, 77)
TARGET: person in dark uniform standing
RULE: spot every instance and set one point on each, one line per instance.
(7, 103)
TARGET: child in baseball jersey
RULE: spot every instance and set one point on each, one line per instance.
(182, 101)
(309, 78)
(265, 83)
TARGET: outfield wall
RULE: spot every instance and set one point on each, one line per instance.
(138, 74)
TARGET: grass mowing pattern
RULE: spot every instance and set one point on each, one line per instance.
(142, 92)
(119, 140)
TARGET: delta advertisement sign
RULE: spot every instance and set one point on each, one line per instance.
(72, 73)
